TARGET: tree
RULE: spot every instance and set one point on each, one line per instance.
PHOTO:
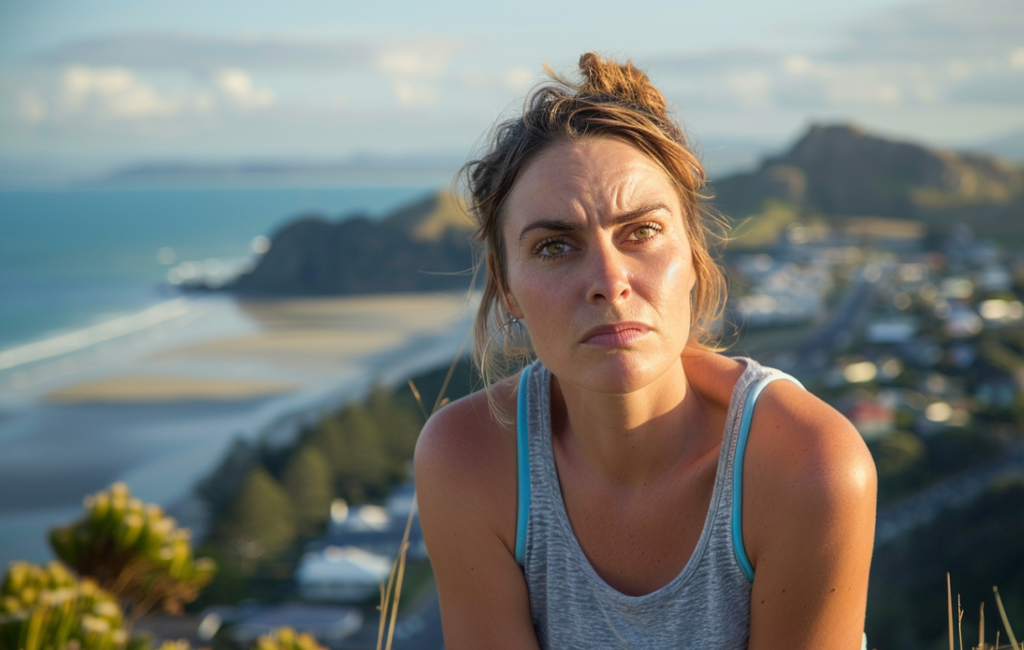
(399, 428)
(307, 482)
(358, 460)
(259, 521)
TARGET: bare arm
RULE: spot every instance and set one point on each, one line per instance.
(465, 468)
(808, 523)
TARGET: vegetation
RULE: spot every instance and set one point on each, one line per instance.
(979, 546)
(133, 551)
(259, 521)
(907, 463)
(420, 247)
(126, 557)
(269, 500)
(286, 638)
(763, 228)
(48, 607)
(307, 486)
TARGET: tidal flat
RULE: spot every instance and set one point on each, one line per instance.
(158, 409)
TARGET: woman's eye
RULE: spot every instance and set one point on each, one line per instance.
(643, 232)
(552, 248)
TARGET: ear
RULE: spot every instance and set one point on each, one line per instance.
(506, 297)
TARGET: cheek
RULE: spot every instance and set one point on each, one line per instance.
(677, 278)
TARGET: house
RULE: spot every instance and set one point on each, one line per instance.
(891, 330)
(344, 574)
(872, 419)
(361, 544)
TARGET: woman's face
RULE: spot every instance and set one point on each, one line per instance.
(599, 266)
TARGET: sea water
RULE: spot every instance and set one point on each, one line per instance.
(83, 287)
(74, 258)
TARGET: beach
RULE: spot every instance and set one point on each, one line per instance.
(158, 406)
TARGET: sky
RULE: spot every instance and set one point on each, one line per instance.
(86, 87)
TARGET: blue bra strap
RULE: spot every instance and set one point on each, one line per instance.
(737, 471)
(523, 462)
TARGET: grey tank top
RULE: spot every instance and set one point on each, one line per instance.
(706, 606)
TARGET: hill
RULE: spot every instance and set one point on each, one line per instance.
(840, 171)
(423, 246)
(830, 174)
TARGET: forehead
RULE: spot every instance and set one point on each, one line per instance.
(595, 176)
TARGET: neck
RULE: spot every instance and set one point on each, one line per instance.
(636, 438)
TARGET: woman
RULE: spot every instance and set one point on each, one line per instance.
(621, 491)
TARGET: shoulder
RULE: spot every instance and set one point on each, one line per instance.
(806, 466)
(808, 441)
(465, 463)
(466, 491)
(808, 522)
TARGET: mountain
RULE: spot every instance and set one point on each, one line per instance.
(840, 171)
(831, 173)
(424, 246)
(360, 168)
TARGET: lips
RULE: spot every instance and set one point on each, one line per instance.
(615, 334)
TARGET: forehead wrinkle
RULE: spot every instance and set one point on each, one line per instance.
(576, 192)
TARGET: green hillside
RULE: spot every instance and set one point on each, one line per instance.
(839, 171)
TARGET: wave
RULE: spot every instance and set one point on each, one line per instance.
(73, 341)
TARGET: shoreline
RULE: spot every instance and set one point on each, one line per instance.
(141, 422)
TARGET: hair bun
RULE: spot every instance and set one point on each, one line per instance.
(623, 82)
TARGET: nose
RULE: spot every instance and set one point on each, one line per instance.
(607, 274)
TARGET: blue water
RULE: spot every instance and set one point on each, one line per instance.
(72, 258)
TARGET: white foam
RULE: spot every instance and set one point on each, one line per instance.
(72, 341)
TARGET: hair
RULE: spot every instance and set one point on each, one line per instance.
(612, 101)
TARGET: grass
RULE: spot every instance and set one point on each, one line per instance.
(391, 593)
(958, 633)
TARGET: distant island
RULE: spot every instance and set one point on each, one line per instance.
(832, 174)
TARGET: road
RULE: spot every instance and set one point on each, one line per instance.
(837, 332)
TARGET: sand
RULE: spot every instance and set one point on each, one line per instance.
(165, 389)
(296, 344)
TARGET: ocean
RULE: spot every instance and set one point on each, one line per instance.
(86, 304)
(74, 258)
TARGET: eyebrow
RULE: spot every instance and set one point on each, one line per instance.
(560, 225)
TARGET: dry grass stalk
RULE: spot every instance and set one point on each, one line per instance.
(960, 621)
(1006, 621)
(981, 627)
(385, 598)
(419, 400)
(949, 606)
(398, 591)
(398, 567)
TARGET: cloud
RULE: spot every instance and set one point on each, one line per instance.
(115, 92)
(206, 53)
(237, 86)
(414, 69)
(517, 78)
(409, 93)
(964, 52)
(86, 95)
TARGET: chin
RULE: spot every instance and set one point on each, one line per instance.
(617, 373)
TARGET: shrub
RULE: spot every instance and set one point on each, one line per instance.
(133, 551)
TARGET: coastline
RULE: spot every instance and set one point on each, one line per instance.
(162, 418)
